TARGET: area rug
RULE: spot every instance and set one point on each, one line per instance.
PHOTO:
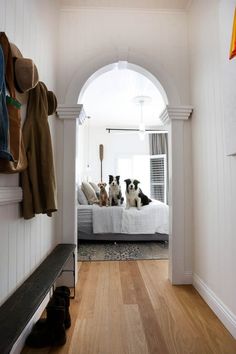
(120, 251)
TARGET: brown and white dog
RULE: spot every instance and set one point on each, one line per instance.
(103, 196)
(134, 195)
(115, 195)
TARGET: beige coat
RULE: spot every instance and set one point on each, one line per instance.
(38, 180)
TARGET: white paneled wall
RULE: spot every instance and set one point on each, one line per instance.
(214, 173)
(32, 26)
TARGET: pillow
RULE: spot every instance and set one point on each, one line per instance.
(96, 188)
(89, 193)
(81, 197)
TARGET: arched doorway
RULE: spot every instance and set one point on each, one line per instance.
(174, 118)
(119, 97)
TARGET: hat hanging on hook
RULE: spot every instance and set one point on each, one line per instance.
(25, 73)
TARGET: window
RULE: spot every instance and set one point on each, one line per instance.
(150, 170)
(135, 166)
(158, 177)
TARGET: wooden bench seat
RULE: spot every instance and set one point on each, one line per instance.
(20, 307)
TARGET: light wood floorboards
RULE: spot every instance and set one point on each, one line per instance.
(131, 308)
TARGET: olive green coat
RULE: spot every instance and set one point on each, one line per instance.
(38, 180)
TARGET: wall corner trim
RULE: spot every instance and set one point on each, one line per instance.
(66, 111)
(227, 317)
(175, 112)
(10, 195)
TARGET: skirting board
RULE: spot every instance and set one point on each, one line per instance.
(218, 307)
(188, 277)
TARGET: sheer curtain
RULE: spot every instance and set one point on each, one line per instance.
(158, 145)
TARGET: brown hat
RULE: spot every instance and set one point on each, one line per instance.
(25, 71)
(52, 103)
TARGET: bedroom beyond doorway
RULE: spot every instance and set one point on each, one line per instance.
(122, 109)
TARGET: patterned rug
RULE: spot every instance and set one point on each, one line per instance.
(120, 251)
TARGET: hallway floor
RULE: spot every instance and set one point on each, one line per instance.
(130, 307)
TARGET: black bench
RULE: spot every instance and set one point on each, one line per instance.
(20, 307)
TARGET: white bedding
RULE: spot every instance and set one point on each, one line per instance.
(150, 219)
(107, 219)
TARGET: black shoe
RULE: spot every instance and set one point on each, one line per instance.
(64, 293)
(49, 332)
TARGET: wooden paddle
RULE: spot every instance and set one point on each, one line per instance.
(101, 153)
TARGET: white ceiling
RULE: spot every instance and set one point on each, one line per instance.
(109, 100)
(148, 4)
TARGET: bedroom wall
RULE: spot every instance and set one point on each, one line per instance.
(115, 146)
(32, 26)
(214, 173)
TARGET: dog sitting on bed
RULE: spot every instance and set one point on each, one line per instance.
(103, 196)
(134, 195)
(115, 195)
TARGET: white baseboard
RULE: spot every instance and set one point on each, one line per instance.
(188, 277)
(227, 317)
(181, 279)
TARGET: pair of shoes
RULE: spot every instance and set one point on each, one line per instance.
(51, 331)
(64, 293)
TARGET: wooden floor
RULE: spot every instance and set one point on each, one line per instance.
(130, 307)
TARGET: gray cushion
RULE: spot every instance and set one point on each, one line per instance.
(81, 197)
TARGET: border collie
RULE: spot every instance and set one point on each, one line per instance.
(134, 194)
(115, 195)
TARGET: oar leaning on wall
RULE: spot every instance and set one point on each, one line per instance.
(101, 155)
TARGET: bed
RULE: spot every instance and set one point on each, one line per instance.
(115, 223)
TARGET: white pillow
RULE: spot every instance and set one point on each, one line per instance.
(96, 188)
(89, 193)
(81, 197)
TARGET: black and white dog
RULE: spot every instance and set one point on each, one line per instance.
(134, 195)
(115, 195)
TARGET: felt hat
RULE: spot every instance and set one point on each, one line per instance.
(52, 102)
(25, 72)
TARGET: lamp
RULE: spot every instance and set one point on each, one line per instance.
(141, 100)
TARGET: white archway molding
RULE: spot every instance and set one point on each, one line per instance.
(152, 69)
(180, 202)
(129, 66)
(174, 117)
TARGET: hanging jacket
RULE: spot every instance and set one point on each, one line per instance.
(4, 119)
(38, 180)
(16, 145)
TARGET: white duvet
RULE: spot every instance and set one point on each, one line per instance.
(150, 219)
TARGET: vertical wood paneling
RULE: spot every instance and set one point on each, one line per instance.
(20, 270)
(214, 173)
(2, 13)
(10, 18)
(19, 22)
(31, 25)
(4, 269)
(12, 249)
